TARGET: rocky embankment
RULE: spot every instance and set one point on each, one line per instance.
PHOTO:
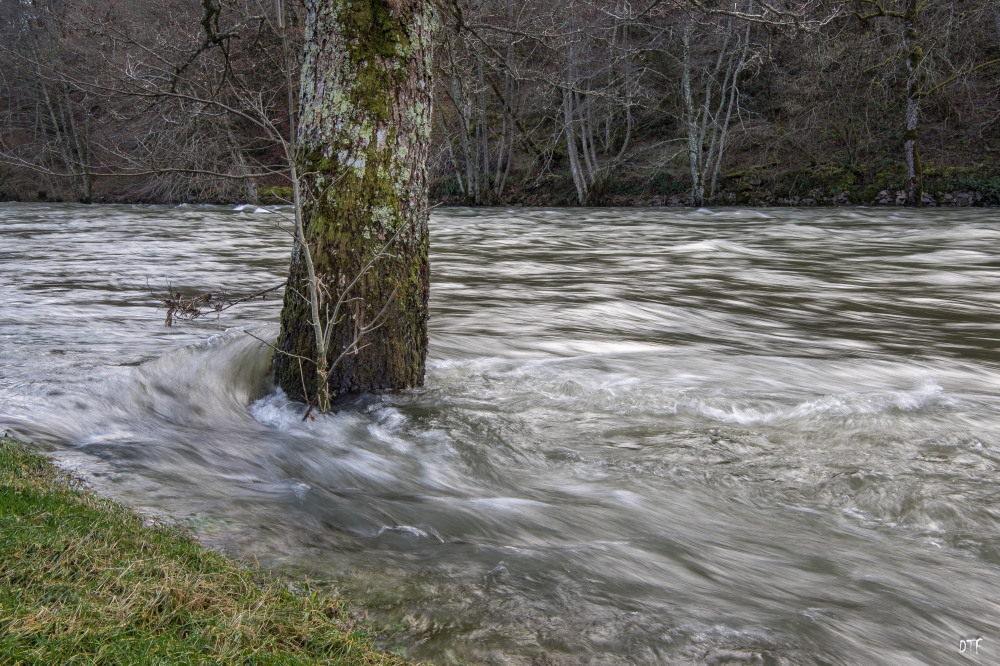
(956, 199)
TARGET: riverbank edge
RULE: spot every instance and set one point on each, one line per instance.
(87, 579)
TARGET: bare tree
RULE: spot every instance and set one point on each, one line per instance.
(148, 104)
(908, 14)
(712, 95)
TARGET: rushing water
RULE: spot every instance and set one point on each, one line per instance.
(646, 437)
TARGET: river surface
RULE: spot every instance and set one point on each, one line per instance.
(646, 436)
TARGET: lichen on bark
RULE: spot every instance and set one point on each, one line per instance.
(364, 129)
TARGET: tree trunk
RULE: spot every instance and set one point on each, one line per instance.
(911, 146)
(996, 18)
(694, 137)
(363, 138)
(576, 170)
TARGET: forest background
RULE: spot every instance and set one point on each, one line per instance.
(537, 102)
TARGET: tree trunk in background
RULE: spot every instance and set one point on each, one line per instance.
(911, 147)
(996, 19)
(694, 138)
(575, 168)
(363, 138)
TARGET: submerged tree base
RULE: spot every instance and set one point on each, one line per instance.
(355, 312)
(86, 580)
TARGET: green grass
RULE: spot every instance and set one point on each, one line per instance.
(83, 580)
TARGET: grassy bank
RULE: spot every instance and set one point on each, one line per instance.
(84, 581)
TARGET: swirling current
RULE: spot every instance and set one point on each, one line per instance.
(646, 436)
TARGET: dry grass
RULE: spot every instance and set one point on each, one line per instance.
(84, 581)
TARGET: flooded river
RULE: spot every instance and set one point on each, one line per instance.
(646, 436)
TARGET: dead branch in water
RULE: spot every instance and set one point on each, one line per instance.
(180, 306)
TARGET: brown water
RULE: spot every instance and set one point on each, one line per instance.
(647, 436)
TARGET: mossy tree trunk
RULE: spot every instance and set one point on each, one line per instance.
(362, 142)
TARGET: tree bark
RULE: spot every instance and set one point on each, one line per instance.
(576, 170)
(911, 145)
(996, 18)
(695, 138)
(362, 144)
